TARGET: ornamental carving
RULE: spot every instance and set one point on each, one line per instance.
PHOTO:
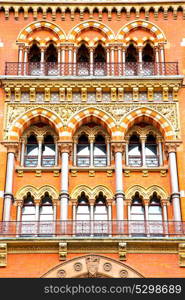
(92, 263)
(66, 111)
(123, 274)
(61, 274)
(107, 267)
(78, 267)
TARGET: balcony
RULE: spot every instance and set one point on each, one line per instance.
(136, 161)
(97, 69)
(32, 161)
(88, 229)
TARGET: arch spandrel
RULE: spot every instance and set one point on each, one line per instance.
(92, 265)
(146, 193)
(91, 192)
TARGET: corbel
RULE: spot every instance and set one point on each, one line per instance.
(62, 94)
(109, 15)
(32, 94)
(181, 254)
(150, 93)
(98, 94)
(6, 13)
(109, 173)
(3, 254)
(135, 93)
(84, 94)
(17, 91)
(20, 173)
(47, 94)
(38, 173)
(69, 94)
(16, 14)
(91, 173)
(53, 16)
(62, 251)
(145, 173)
(56, 173)
(74, 173)
(127, 173)
(113, 94)
(25, 13)
(120, 94)
(165, 93)
(122, 251)
(35, 14)
(175, 93)
(7, 94)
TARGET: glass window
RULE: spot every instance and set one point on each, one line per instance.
(83, 151)
(134, 151)
(100, 152)
(48, 152)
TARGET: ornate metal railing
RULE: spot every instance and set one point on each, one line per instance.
(96, 69)
(111, 228)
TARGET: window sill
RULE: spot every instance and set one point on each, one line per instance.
(108, 168)
(37, 169)
(161, 168)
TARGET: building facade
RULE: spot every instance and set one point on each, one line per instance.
(92, 139)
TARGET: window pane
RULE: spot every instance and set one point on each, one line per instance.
(46, 210)
(32, 150)
(99, 150)
(28, 210)
(137, 210)
(134, 150)
(83, 150)
(151, 150)
(48, 149)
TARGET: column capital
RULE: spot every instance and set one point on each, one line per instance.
(128, 202)
(164, 202)
(118, 147)
(37, 202)
(171, 146)
(91, 202)
(40, 138)
(65, 147)
(12, 147)
(109, 202)
(18, 202)
(74, 202)
(146, 202)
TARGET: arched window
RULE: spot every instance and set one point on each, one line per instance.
(100, 152)
(46, 208)
(34, 58)
(83, 151)
(31, 157)
(155, 215)
(131, 58)
(48, 151)
(100, 208)
(51, 55)
(83, 60)
(34, 54)
(134, 151)
(99, 60)
(137, 216)
(83, 210)
(28, 215)
(152, 159)
(148, 59)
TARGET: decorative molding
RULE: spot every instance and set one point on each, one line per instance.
(62, 251)
(3, 254)
(182, 254)
(122, 251)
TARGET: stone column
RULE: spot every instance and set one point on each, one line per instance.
(92, 202)
(129, 227)
(124, 59)
(70, 57)
(37, 216)
(19, 204)
(143, 139)
(63, 60)
(23, 142)
(175, 195)
(146, 225)
(25, 60)
(119, 61)
(109, 204)
(91, 140)
(112, 60)
(42, 62)
(56, 151)
(164, 204)
(39, 140)
(65, 149)
(126, 152)
(108, 61)
(162, 64)
(59, 60)
(54, 226)
(108, 151)
(74, 60)
(91, 61)
(20, 60)
(157, 69)
(75, 141)
(140, 69)
(160, 151)
(8, 195)
(118, 150)
(74, 207)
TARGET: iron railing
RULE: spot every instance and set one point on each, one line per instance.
(111, 228)
(87, 69)
(48, 160)
(136, 160)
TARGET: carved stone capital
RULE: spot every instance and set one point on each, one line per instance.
(172, 146)
(12, 147)
(65, 147)
(118, 147)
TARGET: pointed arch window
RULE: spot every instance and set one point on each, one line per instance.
(99, 60)
(155, 215)
(46, 208)
(137, 216)
(131, 59)
(31, 157)
(100, 151)
(28, 225)
(134, 151)
(151, 151)
(148, 59)
(34, 59)
(51, 59)
(100, 208)
(83, 209)
(83, 60)
(83, 151)
(48, 151)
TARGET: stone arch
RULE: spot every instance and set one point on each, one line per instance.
(22, 192)
(31, 116)
(91, 192)
(92, 265)
(95, 115)
(37, 193)
(161, 192)
(91, 24)
(154, 29)
(23, 35)
(130, 192)
(149, 116)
